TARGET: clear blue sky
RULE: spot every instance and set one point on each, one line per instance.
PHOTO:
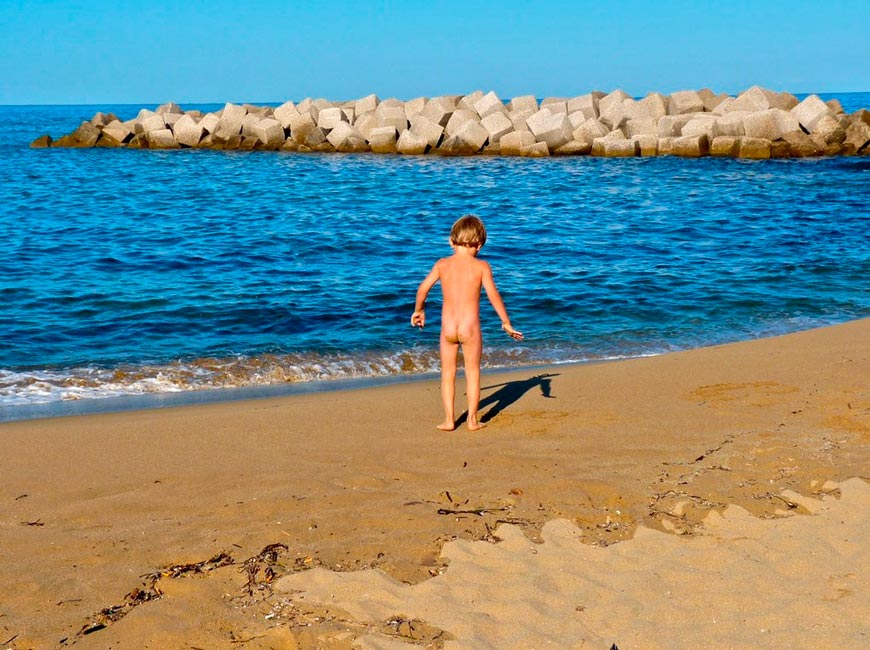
(145, 51)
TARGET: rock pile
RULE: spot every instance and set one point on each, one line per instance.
(758, 123)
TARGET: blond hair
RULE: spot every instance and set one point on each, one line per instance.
(468, 231)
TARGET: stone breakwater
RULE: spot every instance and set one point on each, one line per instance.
(758, 123)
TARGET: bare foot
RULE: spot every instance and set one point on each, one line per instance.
(447, 425)
(475, 426)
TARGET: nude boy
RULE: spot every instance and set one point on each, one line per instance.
(462, 275)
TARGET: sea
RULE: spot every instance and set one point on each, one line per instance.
(143, 278)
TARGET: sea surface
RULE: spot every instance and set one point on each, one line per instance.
(142, 272)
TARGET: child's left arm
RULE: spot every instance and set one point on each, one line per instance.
(497, 303)
(418, 318)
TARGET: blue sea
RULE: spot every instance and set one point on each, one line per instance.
(141, 272)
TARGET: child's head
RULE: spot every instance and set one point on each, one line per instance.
(468, 231)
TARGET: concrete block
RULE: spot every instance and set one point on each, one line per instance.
(828, 130)
(438, 110)
(231, 118)
(785, 121)
(701, 124)
(415, 106)
(329, 118)
(210, 122)
(810, 111)
(42, 142)
(523, 103)
(585, 104)
(318, 105)
(536, 150)
(144, 113)
(107, 140)
(304, 106)
(170, 107)
(474, 134)
(315, 137)
(712, 102)
(666, 146)
(458, 119)
(365, 104)
(612, 114)
(762, 124)
(383, 139)
(685, 101)
(553, 128)
(425, 128)
(138, 142)
(349, 114)
(643, 126)
(284, 112)
(555, 104)
(724, 105)
(615, 98)
(780, 149)
(301, 125)
(725, 145)
(589, 130)
(857, 135)
(161, 139)
(616, 134)
(753, 100)
(411, 144)
(512, 143)
(671, 126)
(802, 145)
(346, 139)
(783, 100)
(615, 148)
(365, 123)
(518, 119)
(489, 104)
(577, 118)
(835, 106)
(118, 131)
(647, 144)
(492, 149)
(691, 146)
(654, 105)
(171, 118)
(392, 115)
(732, 123)
(753, 148)
(467, 102)
(248, 122)
(269, 132)
(290, 145)
(189, 133)
(152, 123)
(574, 148)
(497, 124)
(250, 142)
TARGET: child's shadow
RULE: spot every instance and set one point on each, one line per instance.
(509, 392)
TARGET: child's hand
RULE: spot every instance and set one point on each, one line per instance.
(418, 319)
(514, 334)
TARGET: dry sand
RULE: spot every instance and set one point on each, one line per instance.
(195, 527)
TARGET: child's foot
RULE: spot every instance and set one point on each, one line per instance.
(475, 426)
(447, 425)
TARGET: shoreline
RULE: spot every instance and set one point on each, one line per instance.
(357, 479)
(214, 395)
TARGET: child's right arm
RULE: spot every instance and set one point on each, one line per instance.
(418, 318)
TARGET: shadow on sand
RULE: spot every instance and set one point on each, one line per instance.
(508, 393)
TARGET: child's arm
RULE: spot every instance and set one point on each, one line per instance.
(418, 318)
(497, 303)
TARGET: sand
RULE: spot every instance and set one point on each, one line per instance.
(696, 499)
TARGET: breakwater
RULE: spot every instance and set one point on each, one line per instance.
(758, 123)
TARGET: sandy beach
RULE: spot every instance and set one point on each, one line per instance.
(695, 499)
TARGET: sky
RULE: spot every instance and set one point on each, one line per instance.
(191, 51)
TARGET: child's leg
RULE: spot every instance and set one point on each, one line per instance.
(471, 351)
(449, 352)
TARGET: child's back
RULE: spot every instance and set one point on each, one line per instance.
(461, 278)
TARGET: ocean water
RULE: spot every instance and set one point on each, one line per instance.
(139, 272)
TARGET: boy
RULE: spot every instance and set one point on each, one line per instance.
(462, 275)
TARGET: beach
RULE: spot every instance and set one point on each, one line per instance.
(209, 526)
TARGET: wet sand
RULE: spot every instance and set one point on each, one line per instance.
(109, 521)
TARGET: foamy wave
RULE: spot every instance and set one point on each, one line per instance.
(43, 386)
